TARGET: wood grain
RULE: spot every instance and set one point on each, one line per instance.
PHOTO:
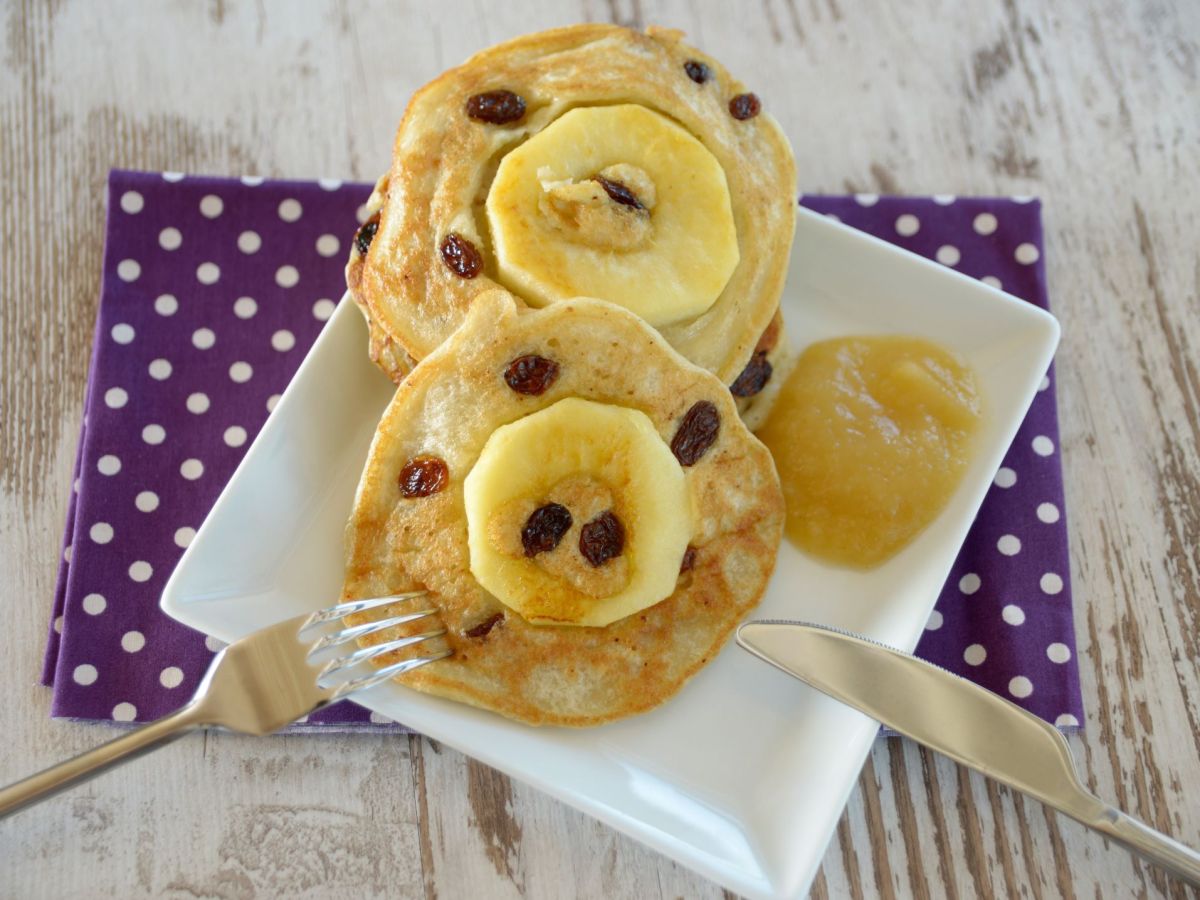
(1093, 106)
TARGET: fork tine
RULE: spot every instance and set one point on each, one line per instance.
(386, 673)
(343, 663)
(354, 632)
(350, 607)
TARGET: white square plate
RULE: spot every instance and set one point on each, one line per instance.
(744, 774)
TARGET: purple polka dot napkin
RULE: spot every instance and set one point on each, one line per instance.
(213, 289)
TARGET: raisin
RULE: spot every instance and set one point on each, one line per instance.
(423, 475)
(689, 560)
(696, 433)
(544, 528)
(618, 192)
(754, 377)
(366, 234)
(745, 106)
(496, 107)
(602, 539)
(697, 71)
(484, 627)
(461, 256)
(531, 374)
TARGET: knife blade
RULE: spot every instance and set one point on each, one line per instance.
(969, 724)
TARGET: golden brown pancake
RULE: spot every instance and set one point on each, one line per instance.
(446, 410)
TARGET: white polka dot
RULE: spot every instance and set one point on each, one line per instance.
(271, 401)
(154, 434)
(290, 210)
(362, 213)
(203, 338)
(67, 553)
(328, 245)
(108, 464)
(1013, 615)
(1042, 445)
(235, 435)
(211, 205)
(249, 242)
(1020, 687)
(124, 712)
(146, 501)
(241, 372)
(381, 719)
(1051, 583)
(172, 176)
(1058, 653)
(170, 239)
(123, 333)
(969, 583)
(1021, 198)
(166, 305)
(85, 674)
(1048, 513)
(985, 223)
(183, 536)
(214, 645)
(171, 677)
(115, 398)
(866, 199)
(943, 199)
(129, 270)
(974, 655)
(323, 309)
(160, 369)
(58, 623)
(94, 604)
(1044, 383)
(245, 307)
(198, 403)
(1026, 254)
(141, 571)
(329, 184)
(1009, 545)
(133, 641)
(934, 622)
(992, 281)
(1005, 477)
(132, 202)
(908, 225)
(208, 273)
(283, 340)
(252, 180)
(286, 276)
(948, 255)
(1066, 720)
(191, 469)
(101, 532)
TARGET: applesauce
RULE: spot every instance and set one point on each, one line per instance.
(871, 436)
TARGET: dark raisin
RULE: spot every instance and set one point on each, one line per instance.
(697, 71)
(696, 433)
(423, 475)
(496, 107)
(745, 106)
(461, 256)
(484, 627)
(618, 192)
(531, 374)
(602, 539)
(544, 528)
(754, 377)
(366, 234)
(689, 560)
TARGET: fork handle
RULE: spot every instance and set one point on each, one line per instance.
(49, 782)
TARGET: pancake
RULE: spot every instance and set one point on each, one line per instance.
(449, 408)
(451, 220)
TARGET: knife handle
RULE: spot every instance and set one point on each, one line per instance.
(1152, 845)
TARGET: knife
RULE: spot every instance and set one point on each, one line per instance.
(967, 723)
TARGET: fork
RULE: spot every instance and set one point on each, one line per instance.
(256, 686)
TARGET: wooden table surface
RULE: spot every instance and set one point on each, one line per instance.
(1093, 106)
